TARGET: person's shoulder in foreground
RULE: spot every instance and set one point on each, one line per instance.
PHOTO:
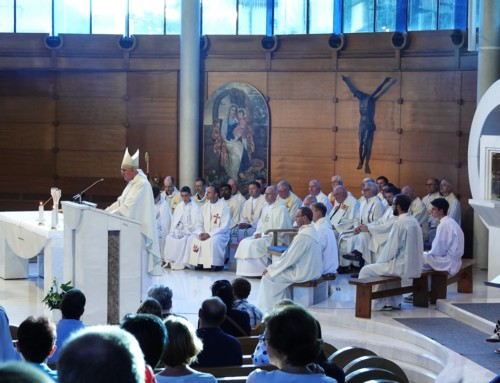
(278, 376)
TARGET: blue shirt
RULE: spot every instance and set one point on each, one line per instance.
(65, 327)
(46, 370)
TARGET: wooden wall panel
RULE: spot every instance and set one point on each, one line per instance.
(430, 116)
(85, 63)
(27, 83)
(27, 109)
(36, 187)
(152, 84)
(91, 84)
(90, 110)
(303, 113)
(27, 162)
(302, 64)
(152, 110)
(91, 137)
(217, 79)
(235, 64)
(154, 64)
(347, 115)
(429, 62)
(430, 86)
(367, 82)
(469, 86)
(301, 86)
(467, 111)
(367, 64)
(417, 173)
(302, 142)
(428, 147)
(26, 136)
(385, 146)
(90, 164)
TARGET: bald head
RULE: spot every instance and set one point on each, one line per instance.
(409, 191)
(340, 193)
(314, 187)
(212, 312)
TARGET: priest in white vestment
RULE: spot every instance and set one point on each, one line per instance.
(209, 246)
(291, 201)
(418, 210)
(250, 214)
(455, 211)
(432, 185)
(329, 248)
(371, 210)
(401, 255)
(315, 190)
(448, 246)
(182, 231)
(345, 212)
(336, 181)
(171, 194)
(252, 257)
(200, 191)
(163, 218)
(137, 202)
(302, 262)
(369, 239)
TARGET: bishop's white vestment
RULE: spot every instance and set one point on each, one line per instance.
(214, 220)
(182, 231)
(252, 257)
(447, 248)
(302, 262)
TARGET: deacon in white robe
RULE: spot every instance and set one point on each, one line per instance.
(137, 202)
(163, 218)
(250, 214)
(291, 201)
(448, 246)
(315, 190)
(209, 247)
(182, 231)
(329, 248)
(300, 263)
(252, 257)
(401, 255)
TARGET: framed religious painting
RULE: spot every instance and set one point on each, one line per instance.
(235, 135)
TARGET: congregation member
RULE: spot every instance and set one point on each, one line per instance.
(163, 294)
(290, 199)
(252, 257)
(200, 191)
(432, 185)
(315, 190)
(137, 202)
(208, 248)
(7, 350)
(36, 342)
(401, 256)
(183, 348)
(150, 332)
(219, 349)
(182, 231)
(345, 211)
(301, 262)
(72, 307)
(236, 322)
(150, 306)
(101, 354)
(336, 181)
(329, 248)
(293, 343)
(171, 194)
(448, 247)
(371, 210)
(418, 210)
(22, 372)
(241, 291)
(163, 218)
(369, 239)
(454, 211)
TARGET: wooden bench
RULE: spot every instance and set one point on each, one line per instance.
(439, 282)
(312, 292)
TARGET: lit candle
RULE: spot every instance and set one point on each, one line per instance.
(40, 213)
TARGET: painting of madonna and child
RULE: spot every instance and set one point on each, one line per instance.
(235, 135)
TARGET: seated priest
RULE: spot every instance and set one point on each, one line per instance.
(252, 257)
(208, 249)
(302, 262)
(182, 231)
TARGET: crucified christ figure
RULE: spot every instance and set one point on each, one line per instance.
(367, 113)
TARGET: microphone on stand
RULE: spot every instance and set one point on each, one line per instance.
(78, 198)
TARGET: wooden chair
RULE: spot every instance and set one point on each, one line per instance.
(328, 349)
(366, 374)
(274, 249)
(248, 343)
(13, 331)
(375, 362)
(346, 355)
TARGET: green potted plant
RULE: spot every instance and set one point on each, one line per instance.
(53, 298)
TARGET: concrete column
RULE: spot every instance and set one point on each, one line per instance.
(488, 71)
(189, 96)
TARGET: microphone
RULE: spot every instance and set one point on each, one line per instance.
(78, 198)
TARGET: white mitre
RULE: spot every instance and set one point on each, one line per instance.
(130, 162)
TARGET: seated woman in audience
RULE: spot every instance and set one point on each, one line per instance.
(293, 345)
(182, 349)
(150, 306)
(237, 322)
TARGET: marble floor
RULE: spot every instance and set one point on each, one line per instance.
(423, 359)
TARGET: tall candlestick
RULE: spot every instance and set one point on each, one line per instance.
(54, 218)
(40, 213)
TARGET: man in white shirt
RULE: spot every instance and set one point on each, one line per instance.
(328, 242)
(236, 202)
(315, 190)
(250, 213)
(208, 249)
(345, 212)
(252, 257)
(182, 231)
(336, 181)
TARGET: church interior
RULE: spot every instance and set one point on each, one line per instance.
(68, 110)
